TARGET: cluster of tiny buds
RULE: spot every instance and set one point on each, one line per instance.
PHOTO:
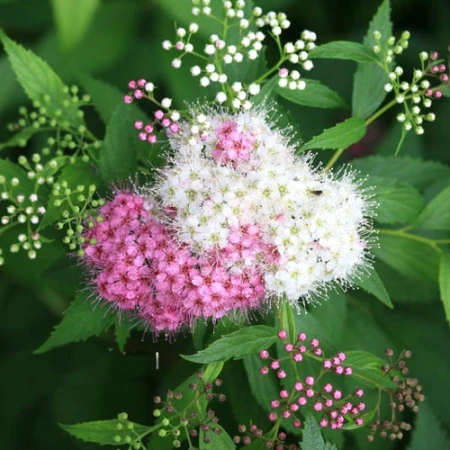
(167, 121)
(407, 395)
(189, 419)
(231, 10)
(323, 398)
(253, 432)
(126, 433)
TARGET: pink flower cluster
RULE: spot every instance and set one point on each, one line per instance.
(138, 265)
(136, 90)
(147, 131)
(232, 144)
(323, 398)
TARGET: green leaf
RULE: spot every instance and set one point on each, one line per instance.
(409, 170)
(369, 80)
(219, 441)
(212, 371)
(367, 369)
(367, 418)
(345, 50)
(236, 345)
(412, 258)
(106, 432)
(341, 135)
(371, 283)
(20, 138)
(81, 321)
(444, 282)
(315, 95)
(288, 320)
(264, 387)
(398, 202)
(10, 170)
(118, 155)
(428, 432)
(122, 327)
(70, 12)
(312, 437)
(436, 215)
(40, 82)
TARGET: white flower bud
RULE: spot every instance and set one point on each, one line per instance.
(196, 71)
(221, 97)
(236, 86)
(166, 45)
(204, 81)
(210, 49)
(254, 89)
(149, 87)
(193, 27)
(238, 57)
(176, 63)
(419, 130)
(166, 103)
(181, 32)
(388, 87)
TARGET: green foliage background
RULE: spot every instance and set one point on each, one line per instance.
(93, 380)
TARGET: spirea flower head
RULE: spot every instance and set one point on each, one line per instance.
(234, 221)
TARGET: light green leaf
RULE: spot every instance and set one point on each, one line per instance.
(436, 215)
(341, 135)
(345, 50)
(371, 283)
(369, 80)
(409, 170)
(444, 282)
(122, 328)
(118, 155)
(106, 432)
(428, 432)
(315, 95)
(367, 369)
(212, 371)
(20, 138)
(236, 345)
(40, 82)
(312, 437)
(73, 18)
(410, 257)
(81, 320)
(218, 441)
(288, 319)
(398, 203)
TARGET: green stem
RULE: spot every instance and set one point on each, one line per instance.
(414, 237)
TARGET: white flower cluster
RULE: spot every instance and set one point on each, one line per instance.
(230, 172)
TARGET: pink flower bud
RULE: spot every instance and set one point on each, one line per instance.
(149, 128)
(142, 82)
(302, 337)
(273, 417)
(138, 124)
(294, 407)
(174, 127)
(302, 401)
(327, 364)
(310, 393)
(314, 343)
(282, 334)
(132, 84)
(337, 394)
(328, 388)
(348, 371)
(284, 393)
(263, 354)
(152, 139)
(274, 403)
(318, 406)
(286, 414)
(298, 357)
(138, 93)
(328, 403)
(264, 370)
(298, 386)
(127, 99)
(309, 381)
(158, 114)
(281, 374)
(323, 423)
(359, 393)
(297, 423)
(275, 365)
(143, 136)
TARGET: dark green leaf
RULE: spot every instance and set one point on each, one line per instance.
(369, 80)
(118, 155)
(82, 320)
(123, 326)
(436, 215)
(40, 82)
(20, 138)
(367, 369)
(219, 441)
(236, 345)
(70, 12)
(444, 283)
(371, 283)
(398, 202)
(106, 432)
(410, 257)
(345, 50)
(341, 135)
(312, 437)
(428, 432)
(315, 95)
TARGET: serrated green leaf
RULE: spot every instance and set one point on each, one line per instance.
(118, 155)
(218, 441)
(236, 345)
(398, 202)
(312, 437)
(436, 215)
(20, 138)
(444, 283)
(410, 257)
(81, 321)
(428, 432)
(369, 80)
(122, 327)
(341, 135)
(367, 369)
(371, 283)
(345, 50)
(79, 173)
(70, 12)
(40, 82)
(315, 95)
(105, 432)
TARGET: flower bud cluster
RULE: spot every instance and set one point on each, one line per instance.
(408, 395)
(414, 95)
(126, 433)
(334, 407)
(254, 433)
